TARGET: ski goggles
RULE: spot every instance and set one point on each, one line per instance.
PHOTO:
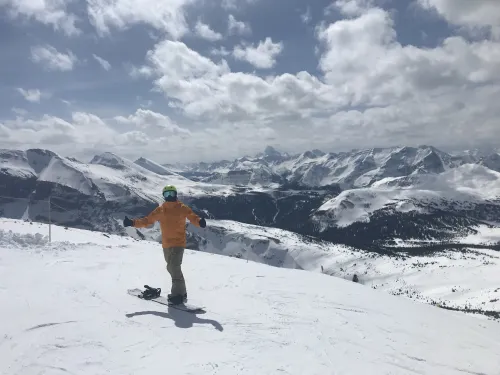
(169, 193)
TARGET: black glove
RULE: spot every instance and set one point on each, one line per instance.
(127, 222)
(203, 223)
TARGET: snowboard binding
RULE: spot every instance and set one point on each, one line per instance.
(150, 293)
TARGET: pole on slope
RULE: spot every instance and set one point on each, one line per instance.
(50, 224)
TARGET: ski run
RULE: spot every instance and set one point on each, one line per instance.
(65, 310)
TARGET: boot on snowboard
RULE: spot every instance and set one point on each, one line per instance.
(177, 299)
(150, 293)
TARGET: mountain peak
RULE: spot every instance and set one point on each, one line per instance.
(271, 151)
(41, 152)
(153, 166)
(109, 159)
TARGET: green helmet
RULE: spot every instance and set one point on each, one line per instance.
(169, 193)
(169, 188)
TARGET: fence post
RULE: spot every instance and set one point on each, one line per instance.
(50, 224)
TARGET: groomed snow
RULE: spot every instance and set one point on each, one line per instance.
(65, 311)
(460, 279)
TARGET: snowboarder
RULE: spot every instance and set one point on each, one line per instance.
(172, 216)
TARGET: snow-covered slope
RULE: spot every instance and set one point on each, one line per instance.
(491, 161)
(408, 192)
(355, 169)
(258, 170)
(458, 189)
(261, 176)
(97, 195)
(133, 177)
(15, 163)
(86, 195)
(154, 167)
(106, 174)
(363, 168)
(358, 168)
(65, 310)
(465, 278)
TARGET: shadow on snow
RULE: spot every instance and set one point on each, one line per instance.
(181, 319)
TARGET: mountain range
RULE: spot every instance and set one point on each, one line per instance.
(377, 215)
(349, 170)
(368, 198)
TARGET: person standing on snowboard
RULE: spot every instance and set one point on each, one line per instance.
(172, 216)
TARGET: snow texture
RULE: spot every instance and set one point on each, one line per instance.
(465, 279)
(106, 174)
(65, 310)
(154, 167)
(461, 187)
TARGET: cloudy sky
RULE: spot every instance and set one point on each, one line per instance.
(201, 80)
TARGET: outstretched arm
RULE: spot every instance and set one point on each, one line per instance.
(148, 220)
(193, 218)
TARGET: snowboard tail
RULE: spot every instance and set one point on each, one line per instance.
(164, 301)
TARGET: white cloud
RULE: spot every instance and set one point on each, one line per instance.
(364, 60)
(19, 111)
(222, 51)
(81, 131)
(200, 88)
(238, 27)
(5, 134)
(48, 12)
(104, 63)
(306, 16)
(373, 91)
(352, 7)
(142, 133)
(370, 91)
(174, 60)
(133, 138)
(263, 56)
(31, 95)
(52, 59)
(157, 124)
(229, 4)
(166, 15)
(236, 4)
(475, 13)
(204, 31)
(48, 130)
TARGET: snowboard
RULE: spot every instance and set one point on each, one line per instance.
(164, 301)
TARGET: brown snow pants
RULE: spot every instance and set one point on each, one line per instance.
(173, 257)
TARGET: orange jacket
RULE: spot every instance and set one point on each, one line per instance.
(172, 217)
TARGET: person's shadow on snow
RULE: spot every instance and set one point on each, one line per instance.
(182, 319)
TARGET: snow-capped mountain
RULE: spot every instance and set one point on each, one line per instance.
(436, 206)
(399, 192)
(244, 171)
(355, 169)
(155, 167)
(86, 195)
(429, 195)
(91, 195)
(492, 161)
(364, 168)
(395, 219)
(359, 168)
